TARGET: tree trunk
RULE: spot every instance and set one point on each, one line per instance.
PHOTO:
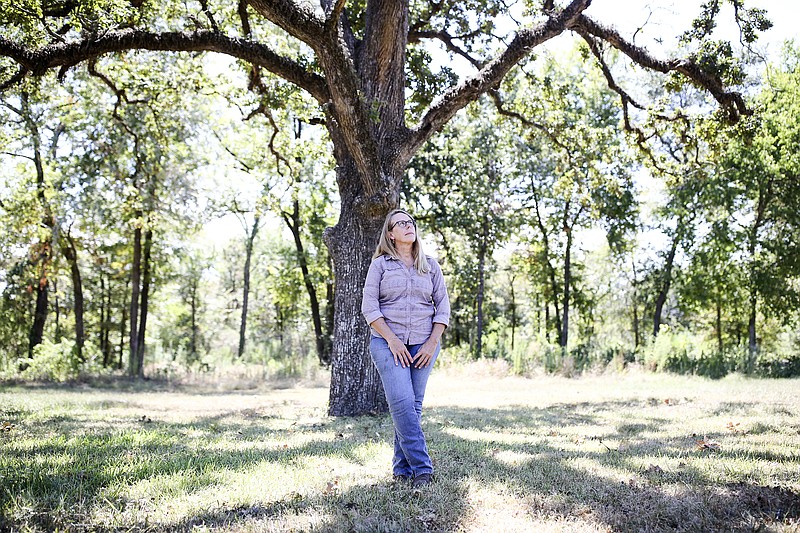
(71, 254)
(40, 312)
(481, 286)
(133, 315)
(563, 338)
(122, 322)
(567, 226)
(45, 248)
(330, 292)
(195, 328)
(146, 277)
(546, 321)
(107, 326)
(718, 322)
(666, 280)
(550, 270)
(764, 197)
(355, 383)
(635, 302)
(57, 309)
(513, 313)
(251, 238)
(102, 338)
(294, 223)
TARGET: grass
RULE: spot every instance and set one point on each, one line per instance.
(599, 453)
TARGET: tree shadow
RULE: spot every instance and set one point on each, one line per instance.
(518, 450)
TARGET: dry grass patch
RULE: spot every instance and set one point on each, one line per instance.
(600, 453)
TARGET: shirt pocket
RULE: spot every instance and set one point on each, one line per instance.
(423, 286)
(394, 283)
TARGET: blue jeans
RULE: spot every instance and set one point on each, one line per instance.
(405, 389)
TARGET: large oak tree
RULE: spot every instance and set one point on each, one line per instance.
(360, 61)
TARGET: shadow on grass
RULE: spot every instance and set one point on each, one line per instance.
(65, 478)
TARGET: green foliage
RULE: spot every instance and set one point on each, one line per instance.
(56, 362)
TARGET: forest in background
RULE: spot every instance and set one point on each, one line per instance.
(567, 243)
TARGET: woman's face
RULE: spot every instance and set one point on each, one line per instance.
(402, 229)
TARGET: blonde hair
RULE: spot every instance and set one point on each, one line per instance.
(386, 245)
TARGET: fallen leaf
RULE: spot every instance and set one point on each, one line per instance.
(7, 426)
(708, 444)
(332, 488)
(733, 428)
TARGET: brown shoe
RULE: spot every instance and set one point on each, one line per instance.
(421, 480)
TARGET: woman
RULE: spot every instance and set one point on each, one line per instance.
(405, 303)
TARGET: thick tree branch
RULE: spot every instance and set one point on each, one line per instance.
(334, 15)
(67, 54)
(443, 109)
(731, 101)
(296, 19)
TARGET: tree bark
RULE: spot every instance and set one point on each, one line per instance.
(718, 321)
(133, 315)
(40, 311)
(355, 383)
(330, 297)
(513, 312)
(481, 286)
(195, 328)
(666, 279)
(146, 278)
(71, 254)
(102, 339)
(563, 338)
(635, 302)
(249, 244)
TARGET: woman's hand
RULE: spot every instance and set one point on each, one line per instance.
(425, 354)
(400, 352)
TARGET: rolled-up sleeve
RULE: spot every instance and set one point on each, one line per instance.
(441, 301)
(370, 306)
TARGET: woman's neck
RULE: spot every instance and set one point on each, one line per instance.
(405, 252)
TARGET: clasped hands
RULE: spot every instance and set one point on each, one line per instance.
(402, 356)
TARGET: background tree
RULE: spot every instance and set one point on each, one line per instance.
(464, 173)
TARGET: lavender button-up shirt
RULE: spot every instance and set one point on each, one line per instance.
(410, 302)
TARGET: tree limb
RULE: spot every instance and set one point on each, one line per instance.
(209, 15)
(298, 20)
(264, 110)
(443, 109)
(38, 61)
(731, 101)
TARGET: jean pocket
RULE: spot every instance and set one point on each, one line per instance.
(381, 354)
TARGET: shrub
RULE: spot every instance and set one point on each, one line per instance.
(58, 362)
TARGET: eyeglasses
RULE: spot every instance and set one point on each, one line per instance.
(405, 224)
